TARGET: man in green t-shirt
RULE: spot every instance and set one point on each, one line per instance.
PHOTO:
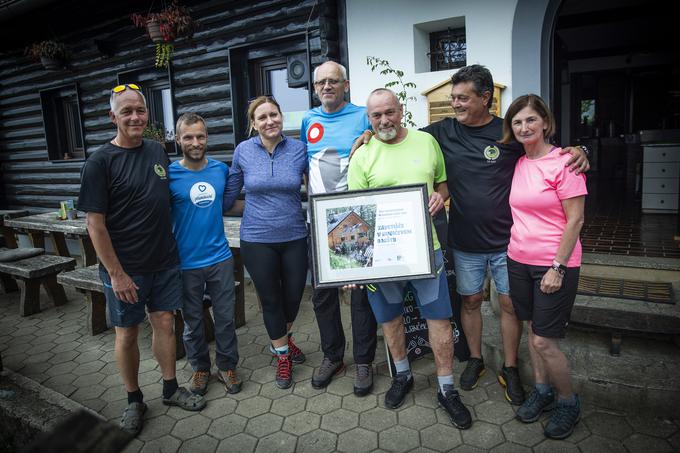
(401, 156)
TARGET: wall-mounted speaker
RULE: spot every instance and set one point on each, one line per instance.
(298, 70)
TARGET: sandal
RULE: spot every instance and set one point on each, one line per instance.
(186, 400)
(133, 418)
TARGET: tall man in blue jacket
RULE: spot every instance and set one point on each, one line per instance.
(196, 189)
(329, 131)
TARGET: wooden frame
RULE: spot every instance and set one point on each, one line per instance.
(371, 236)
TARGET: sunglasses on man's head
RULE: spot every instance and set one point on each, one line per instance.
(125, 86)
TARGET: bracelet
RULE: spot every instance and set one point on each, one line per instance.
(585, 149)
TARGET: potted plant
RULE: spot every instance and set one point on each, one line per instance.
(51, 54)
(172, 22)
(157, 132)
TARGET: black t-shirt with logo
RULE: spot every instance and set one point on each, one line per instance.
(130, 186)
(479, 172)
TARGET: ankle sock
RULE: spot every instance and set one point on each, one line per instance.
(403, 367)
(543, 389)
(282, 350)
(445, 380)
(135, 397)
(169, 387)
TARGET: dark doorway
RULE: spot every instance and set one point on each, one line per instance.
(617, 79)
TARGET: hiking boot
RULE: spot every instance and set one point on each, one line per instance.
(563, 420)
(535, 405)
(284, 371)
(509, 379)
(363, 379)
(450, 401)
(199, 382)
(230, 380)
(398, 390)
(474, 370)
(322, 377)
(296, 355)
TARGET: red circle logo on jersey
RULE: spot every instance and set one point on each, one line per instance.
(315, 133)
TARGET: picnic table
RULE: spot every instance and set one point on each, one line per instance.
(38, 225)
(7, 233)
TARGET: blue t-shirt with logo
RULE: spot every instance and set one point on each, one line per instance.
(196, 198)
(329, 138)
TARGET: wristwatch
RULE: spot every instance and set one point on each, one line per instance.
(559, 268)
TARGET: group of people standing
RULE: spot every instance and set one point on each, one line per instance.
(516, 209)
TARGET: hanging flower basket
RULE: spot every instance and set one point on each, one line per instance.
(153, 27)
(51, 54)
(172, 22)
(51, 64)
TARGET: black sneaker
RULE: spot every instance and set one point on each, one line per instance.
(451, 403)
(535, 405)
(325, 373)
(563, 420)
(474, 370)
(398, 390)
(509, 379)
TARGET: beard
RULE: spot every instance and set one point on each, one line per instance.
(194, 155)
(387, 134)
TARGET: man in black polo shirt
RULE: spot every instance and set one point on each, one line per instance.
(124, 190)
(480, 171)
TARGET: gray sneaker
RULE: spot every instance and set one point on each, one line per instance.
(325, 373)
(363, 379)
(230, 380)
(199, 382)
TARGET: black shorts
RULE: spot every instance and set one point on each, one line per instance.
(548, 313)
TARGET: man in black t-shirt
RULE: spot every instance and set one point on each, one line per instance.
(124, 190)
(480, 171)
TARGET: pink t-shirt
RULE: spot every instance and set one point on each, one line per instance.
(538, 187)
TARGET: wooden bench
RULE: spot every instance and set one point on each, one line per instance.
(86, 280)
(30, 273)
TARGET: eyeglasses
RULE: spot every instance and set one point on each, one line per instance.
(331, 82)
(125, 86)
(269, 97)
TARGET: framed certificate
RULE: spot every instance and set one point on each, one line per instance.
(371, 236)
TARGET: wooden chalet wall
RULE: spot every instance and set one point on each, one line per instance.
(100, 51)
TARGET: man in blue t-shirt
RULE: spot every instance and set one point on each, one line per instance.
(329, 131)
(196, 189)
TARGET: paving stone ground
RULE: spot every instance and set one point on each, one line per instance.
(54, 349)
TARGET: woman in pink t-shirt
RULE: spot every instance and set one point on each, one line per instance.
(544, 258)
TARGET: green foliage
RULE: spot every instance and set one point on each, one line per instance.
(49, 49)
(155, 131)
(398, 85)
(164, 53)
(342, 262)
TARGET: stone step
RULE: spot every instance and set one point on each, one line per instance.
(645, 378)
(631, 267)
